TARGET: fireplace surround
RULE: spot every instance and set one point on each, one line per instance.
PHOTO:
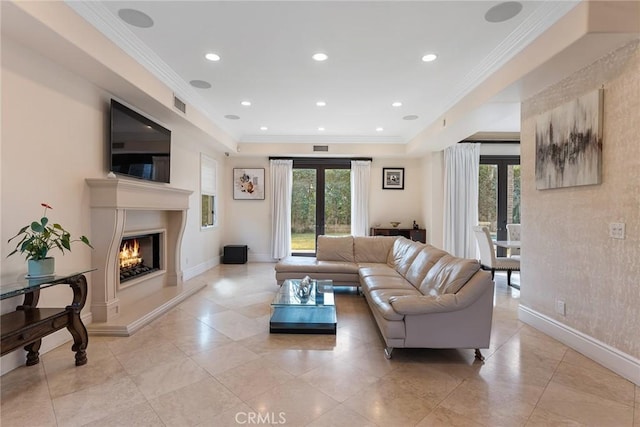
(123, 208)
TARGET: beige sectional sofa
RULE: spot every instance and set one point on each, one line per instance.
(420, 296)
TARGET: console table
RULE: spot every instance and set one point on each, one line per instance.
(26, 326)
(415, 234)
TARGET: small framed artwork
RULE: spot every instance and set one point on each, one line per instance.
(248, 184)
(393, 178)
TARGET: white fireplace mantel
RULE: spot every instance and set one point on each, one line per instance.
(112, 201)
(141, 195)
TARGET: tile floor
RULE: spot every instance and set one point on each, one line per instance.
(212, 362)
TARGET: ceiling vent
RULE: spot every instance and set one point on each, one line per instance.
(320, 148)
(179, 104)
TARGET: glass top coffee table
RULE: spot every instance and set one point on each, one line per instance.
(315, 314)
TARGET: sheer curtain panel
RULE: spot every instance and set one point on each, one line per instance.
(360, 185)
(461, 172)
(281, 185)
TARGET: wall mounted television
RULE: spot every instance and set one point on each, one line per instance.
(139, 147)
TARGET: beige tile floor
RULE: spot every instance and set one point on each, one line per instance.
(212, 362)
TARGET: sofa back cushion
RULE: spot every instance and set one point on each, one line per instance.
(403, 253)
(373, 249)
(422, 263)
(448, 275)
(335, 248)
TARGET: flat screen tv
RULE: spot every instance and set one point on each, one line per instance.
(139, 147)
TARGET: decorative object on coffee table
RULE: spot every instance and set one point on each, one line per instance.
(37, 238)
(394, 224)
(304, 288)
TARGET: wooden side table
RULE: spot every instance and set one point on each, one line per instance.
(415, 234)
(26, 326)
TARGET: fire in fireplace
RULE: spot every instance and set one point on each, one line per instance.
(139, 255)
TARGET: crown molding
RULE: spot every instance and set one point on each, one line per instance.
(531, 28)
(323, 139)
(97, 14)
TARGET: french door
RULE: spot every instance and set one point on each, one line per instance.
(499, 194)
(320, 202)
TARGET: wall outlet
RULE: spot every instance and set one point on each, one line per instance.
(616, 230)
(561, 308)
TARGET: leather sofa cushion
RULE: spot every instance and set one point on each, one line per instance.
(372, 283)
(448, 275)
(372, 269)
(335, 248)
(403, 253)
(380, 299)
(310, 265)
(373, 248)
(422, 263)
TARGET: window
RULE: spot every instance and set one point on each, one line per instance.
(320, 203)
(499, 194)
(208, 186)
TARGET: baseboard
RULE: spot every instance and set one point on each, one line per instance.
(261, 258)
(17, 358)
(609, 357)
(197, 270)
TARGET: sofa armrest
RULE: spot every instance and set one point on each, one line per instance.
(424, 304)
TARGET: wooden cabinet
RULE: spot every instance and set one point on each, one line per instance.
(417, 235)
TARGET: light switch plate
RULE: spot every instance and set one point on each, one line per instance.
(616, 230)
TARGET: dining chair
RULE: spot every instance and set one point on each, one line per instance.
(488, 258)
(513, 233)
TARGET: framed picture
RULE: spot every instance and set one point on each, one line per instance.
(393, 178)
(569, 143)
(248, 184)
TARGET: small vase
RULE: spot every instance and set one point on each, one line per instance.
(41, 267)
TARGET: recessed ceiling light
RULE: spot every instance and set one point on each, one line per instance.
(136, 18)
(212, 57)
(264, 128)
(321, 103)
(429, 57)
(397, 104)
(503, 11)
(410, 117)
(200, 84)
(379, 129)
(320, 57)
(232, 117)
(321, 129)
(246, 103)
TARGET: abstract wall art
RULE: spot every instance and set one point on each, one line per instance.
(569, 143)
(248, 184)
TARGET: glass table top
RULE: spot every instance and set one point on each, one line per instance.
(23, 284)
(321, 294)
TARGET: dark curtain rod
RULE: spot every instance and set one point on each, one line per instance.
(320, 159)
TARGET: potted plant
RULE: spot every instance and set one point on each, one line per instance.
(35, 241)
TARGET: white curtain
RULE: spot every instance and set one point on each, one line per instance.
(360, 184)
(461, 171)
(281, 185)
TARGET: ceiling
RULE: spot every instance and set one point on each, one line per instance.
(374, 59)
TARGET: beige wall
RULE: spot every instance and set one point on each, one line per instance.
(249, 221)
(567, 252)
(54, 135)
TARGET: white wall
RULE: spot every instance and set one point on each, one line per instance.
(54, 135)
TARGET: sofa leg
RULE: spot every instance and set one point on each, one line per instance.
(387, 352)
(479, 355)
